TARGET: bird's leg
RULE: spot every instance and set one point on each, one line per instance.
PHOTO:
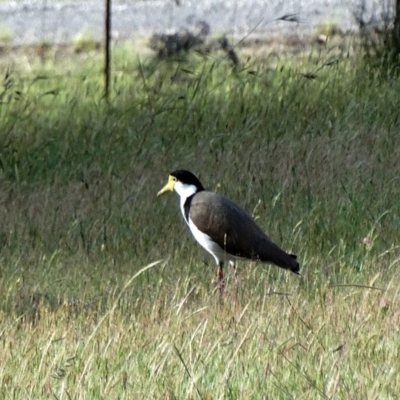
(221, 283)
(233, 263)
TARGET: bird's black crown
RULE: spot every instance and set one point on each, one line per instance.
(188, 178)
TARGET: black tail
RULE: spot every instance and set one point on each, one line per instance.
(294, 265)
(275, 255)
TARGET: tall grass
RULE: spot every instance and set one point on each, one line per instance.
(315, 161)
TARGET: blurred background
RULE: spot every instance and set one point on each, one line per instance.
(65, 21)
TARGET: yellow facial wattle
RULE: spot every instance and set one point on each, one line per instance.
(169, 187)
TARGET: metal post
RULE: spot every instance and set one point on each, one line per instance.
(107, 49)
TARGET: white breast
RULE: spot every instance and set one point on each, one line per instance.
(216, 251)
(205, 241)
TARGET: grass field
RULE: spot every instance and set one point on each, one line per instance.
(104, 294)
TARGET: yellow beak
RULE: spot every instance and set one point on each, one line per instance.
(169, 187)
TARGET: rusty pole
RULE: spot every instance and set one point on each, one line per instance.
(107, 49)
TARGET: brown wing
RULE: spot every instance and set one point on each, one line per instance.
(235, 231)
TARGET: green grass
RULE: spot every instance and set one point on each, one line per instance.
(315, 161)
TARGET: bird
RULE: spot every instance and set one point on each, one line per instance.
(224, 229)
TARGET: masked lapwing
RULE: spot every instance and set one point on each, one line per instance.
(223, 228)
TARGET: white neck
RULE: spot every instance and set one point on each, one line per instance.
(184, 192)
